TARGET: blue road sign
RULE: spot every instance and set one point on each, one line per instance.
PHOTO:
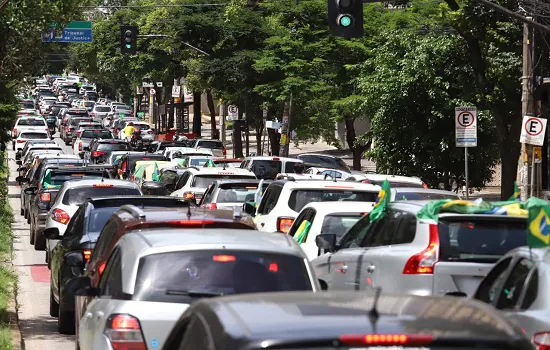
(74, 32)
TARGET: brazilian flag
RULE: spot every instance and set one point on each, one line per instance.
(382, 201)
(538, 224)
(209, 164)
(432, 210)
(302, 232)
(517, 193)
(156, 173)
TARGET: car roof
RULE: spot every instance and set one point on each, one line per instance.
(392, 178)
(219, 171)
(342, 207)
(91, 182)
(319, 155)
(319, 184)
(414, 206)
(275, 158)
(317, 317)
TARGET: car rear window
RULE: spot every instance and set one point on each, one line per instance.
(194, 274)
(59, 179)
(407, 196)
(141, 126)
(236, 193)
(326, 162)
(78, 114)
(34, 135)
(266, 169)
(102, 109)
(203, 181)
(91, 134)
(198, 161)
(77, 196)
(89, 104)
(31, 122)
(299, 198)
(115, 146)
(80, 120)
(479, 239)
(339, 223)
(396, 184)
(98, 218)
(210, 144)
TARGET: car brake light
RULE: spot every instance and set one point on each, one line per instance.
(80, 146)
(97, 154)
(366, 181)
(21, 141)
(102, 185)
(385, 339)
(188, 195)
(284, 224)
(424, 185)
(150, 132)
(101, 268)
(224, 258)
(274, 267)
(276, 159)
(124, 332)
(190, 222)
(424, 262)
(211, 206)
(542, 340)
(60, 216)
(87, 254)
(45, 197)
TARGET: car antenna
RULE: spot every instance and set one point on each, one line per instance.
(374, 315)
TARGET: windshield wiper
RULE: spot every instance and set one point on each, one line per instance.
(193, 293)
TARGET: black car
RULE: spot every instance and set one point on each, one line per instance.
(127, 163)
(38, 211)
(324, 161)
(79, 239)
(342, 320)
(99, 150)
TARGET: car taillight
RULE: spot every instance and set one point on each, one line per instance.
(21, 141)
(541, 340)
(87, 254)
(150, 132)
(366, 181)
(424, 185)
(424, 262)
(101, 268)
(386, 339)
(124, 332)
(97, 154)
(188, 195)
(45, 197)
(284, 224)
(60, 216)
(211, 206)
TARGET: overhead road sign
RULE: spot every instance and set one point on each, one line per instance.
(73, 32)
(147, 85)
(466, 126)
(533, 130)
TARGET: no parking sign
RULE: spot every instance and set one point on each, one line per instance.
(533, 130)
(466, 126)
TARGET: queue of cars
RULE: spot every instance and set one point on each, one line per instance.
(162, 248)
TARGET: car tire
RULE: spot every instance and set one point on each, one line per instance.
(31, 235)
(21, 212)
(54, 306)
(39, 242)
(28, 218)
(65, 320)
(13, 145)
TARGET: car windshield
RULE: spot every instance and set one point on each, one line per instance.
(34, 135)
(236, 193)
(266, 169)
(31, 122)
(299, 198)
(325, 162)
(210, 144)
(102, 109)
(203, 181)
(120, 108)
(92, 134)
(195, 273)
(77, 196)
(479, 239)
(407, 196)
(115, 146)
(98, 218)
(339, 223)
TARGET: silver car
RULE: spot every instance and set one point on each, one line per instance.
(402, 254)
(153, 275)
(518, 286)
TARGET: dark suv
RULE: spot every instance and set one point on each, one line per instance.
(79, 242)
(128, 162)
(99, 150)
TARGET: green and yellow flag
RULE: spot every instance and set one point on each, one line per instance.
(432, 210)
(538, 224)
(382, 201)
(517, 193)
(156, 173)
(180, 161)
(209, 164)
(302, 232)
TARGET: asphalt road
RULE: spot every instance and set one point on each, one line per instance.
(39, 329)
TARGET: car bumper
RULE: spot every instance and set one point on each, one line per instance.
(41, 221)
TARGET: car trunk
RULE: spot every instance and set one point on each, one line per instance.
(469, 247)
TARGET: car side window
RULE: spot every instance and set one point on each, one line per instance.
(532, 290)
(104, 239)
(197, 335)
(406, 230)
(488, 288)
(183, 180)
(75, 226)
(355, 234)
(382, 231)
(307, 214)
(110, 284)
(207, 198)
(270, 199)
(511, 291)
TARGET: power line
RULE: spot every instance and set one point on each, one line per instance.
(149, 6)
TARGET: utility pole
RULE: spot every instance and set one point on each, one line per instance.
(527, 106)
(285, 129)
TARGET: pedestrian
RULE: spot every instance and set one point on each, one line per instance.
(2, 153)
(299, 168)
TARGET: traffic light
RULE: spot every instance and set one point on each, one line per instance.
(128, 39)
(346, 18)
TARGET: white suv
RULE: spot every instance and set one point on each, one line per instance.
(195, 181)
(283, 200)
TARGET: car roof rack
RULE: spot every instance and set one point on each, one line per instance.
(134, 211)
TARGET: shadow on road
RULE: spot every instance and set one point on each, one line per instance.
(42, 328)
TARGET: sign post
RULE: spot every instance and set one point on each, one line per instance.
(533, 130)
(466, 135)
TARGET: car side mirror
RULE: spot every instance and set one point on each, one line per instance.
(18, 155)
(18, 162)
(51, 233)
(30, 190)
(456, 294)
(84, 287)
(323, 284)
(249, 208)
(86, 149)
(326, 241)
(72, 259)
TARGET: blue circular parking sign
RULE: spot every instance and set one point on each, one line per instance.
(155, 343)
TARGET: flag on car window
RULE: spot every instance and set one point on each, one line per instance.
(538, 223)
(156, 173)
(180, 162)
(209, 164)
(517, 193)
(301, 234)
(382, 201)
(47, 179)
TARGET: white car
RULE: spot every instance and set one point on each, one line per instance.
(147, 134)
(268, 167)
(27, 123)
(27, 135)
(394, 180)
(325, 217)
(217, 147)
(284, 199)
(73, 193)
(47, 102)
(100, 112)
(194, 182)
(193, 160)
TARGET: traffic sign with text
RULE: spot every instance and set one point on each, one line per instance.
(533, 130)
(74, 32)
(466, 126)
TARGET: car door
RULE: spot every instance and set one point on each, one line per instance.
(265, 218)
(95, 317)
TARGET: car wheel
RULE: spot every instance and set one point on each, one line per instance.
(28, 218)
(54, 306)
(31, 235)
(39, 241)
(21, 211)
(13, 145)
(65, 321)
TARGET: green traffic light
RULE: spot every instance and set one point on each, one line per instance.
(345, 21)
(128, 46)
